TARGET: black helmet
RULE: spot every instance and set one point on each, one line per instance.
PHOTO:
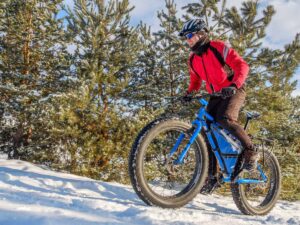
(192, 26)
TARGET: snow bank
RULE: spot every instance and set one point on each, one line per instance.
(34, 196)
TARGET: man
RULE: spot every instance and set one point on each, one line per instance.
(223, 70)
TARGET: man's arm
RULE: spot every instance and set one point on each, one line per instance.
(195, 80)
(239, 66)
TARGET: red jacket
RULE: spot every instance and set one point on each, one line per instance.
(211, 71)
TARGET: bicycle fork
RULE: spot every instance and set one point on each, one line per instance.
(194, 131)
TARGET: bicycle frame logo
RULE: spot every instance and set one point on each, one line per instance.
(225, 148)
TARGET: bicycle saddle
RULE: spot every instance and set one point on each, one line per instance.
(252, 115)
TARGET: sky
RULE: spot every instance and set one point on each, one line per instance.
(281, 31)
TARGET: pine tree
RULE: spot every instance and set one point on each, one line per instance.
(92, 127)
(161, 65)
(172, 58)
(141, 92)
(33, 63)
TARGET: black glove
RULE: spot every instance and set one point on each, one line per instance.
(187, 98)
(228, 91)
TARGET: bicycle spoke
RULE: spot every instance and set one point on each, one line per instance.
(257, 193)
(162, 175)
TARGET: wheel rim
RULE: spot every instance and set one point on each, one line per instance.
(163, 178)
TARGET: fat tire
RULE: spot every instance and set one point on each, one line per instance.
(135, 170)
(270, 201)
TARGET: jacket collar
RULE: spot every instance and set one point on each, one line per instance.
(200, 48)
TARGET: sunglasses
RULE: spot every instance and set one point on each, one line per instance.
(189, 35)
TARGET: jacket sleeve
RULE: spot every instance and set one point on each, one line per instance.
(239, 66)
(195, 80)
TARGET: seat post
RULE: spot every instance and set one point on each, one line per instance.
(250, 116)
(246, 124)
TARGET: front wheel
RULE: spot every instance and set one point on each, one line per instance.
(157, 178)
(260, 198)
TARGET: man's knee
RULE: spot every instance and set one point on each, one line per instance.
(227, 122)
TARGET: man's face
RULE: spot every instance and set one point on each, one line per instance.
(193, 38)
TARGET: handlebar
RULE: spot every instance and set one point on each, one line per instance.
(197, 96)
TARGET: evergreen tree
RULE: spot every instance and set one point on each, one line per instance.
(141, 92)
(173, 56)
(161, 65)
(33, 63)
(93, 127)
(81, 119)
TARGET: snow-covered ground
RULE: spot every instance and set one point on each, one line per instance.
(30, 195)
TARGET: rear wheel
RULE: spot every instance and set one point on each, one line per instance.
(259, 199)
(156, 177)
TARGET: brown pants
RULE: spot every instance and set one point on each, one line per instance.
(226, 112)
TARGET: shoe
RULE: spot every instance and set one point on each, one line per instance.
(210, 185)
(251, 156)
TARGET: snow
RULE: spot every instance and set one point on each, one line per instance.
(3, 156)
(32, 195)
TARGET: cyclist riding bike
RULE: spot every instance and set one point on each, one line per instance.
(224, 71)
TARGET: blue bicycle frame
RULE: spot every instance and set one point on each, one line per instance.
(225, 153)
